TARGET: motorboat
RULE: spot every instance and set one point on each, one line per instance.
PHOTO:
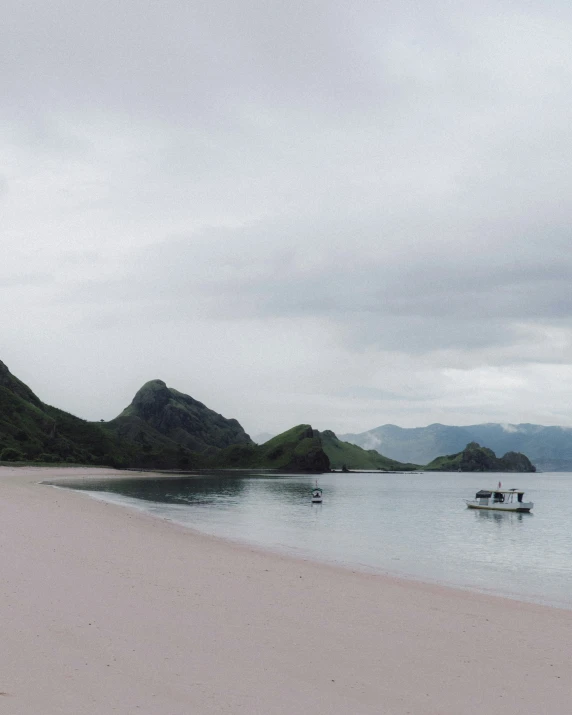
(317, 494)
(500, 500)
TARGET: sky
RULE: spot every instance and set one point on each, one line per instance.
(342, 214)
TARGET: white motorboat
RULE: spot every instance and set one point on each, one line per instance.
(317, 494)
(500, 500)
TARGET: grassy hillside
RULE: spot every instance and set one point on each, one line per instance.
(32, 431)
(351, 456)
(161, 429)
(298, 449)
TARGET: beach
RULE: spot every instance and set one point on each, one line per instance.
(106, 609)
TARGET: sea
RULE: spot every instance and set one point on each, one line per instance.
(411, 525)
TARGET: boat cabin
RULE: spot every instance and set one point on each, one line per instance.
(500, 496)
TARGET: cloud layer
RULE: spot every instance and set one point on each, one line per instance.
(343, 214)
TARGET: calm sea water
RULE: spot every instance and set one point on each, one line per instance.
(412, 525)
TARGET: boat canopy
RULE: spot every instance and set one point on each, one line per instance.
(483, 494)
(487, 493)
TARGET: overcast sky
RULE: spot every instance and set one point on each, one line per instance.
(341, 213)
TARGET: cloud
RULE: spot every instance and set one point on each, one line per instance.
(346, 212)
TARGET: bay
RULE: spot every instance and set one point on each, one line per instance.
(409, 525)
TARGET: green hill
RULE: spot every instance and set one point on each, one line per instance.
(161, 429)
(33, 431)
(297, 450)
(178, 417)
(475, 458)
(343, 454)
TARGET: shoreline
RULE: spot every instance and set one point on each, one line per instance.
(283, 552)
(107, 608)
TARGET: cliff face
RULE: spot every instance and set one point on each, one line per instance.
(179, 418)
(516, 462)
(475, 458)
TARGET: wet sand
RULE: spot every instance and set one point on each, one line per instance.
(108, 610)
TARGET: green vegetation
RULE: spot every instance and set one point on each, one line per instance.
(475, 458)
(169, 414)
(353, 457)
(32, 431)
(297, 450)
(161, 429)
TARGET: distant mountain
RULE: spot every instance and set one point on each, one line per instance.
(343, 454)
(549, 448)
(475, 458)
(178, 417)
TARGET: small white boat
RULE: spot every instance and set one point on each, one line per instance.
(317, 494)
(500, 500)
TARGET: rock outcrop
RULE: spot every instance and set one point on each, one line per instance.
(475, 458)
(178, 417)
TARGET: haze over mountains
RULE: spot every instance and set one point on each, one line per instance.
(549, 448)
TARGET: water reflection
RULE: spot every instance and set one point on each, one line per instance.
(501, 517)
(166, 490)
(292, 490)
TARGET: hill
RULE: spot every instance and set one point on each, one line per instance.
(549, 448)
(475, 458)
(33, 431)
(178, 417)
(351, 456)
(297, 450)
(161, 429)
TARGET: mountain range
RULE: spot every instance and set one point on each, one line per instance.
(163, 428)
(549, 448)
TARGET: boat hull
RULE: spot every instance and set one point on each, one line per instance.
(520, 508)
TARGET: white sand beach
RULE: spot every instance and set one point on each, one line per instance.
(108, 610)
